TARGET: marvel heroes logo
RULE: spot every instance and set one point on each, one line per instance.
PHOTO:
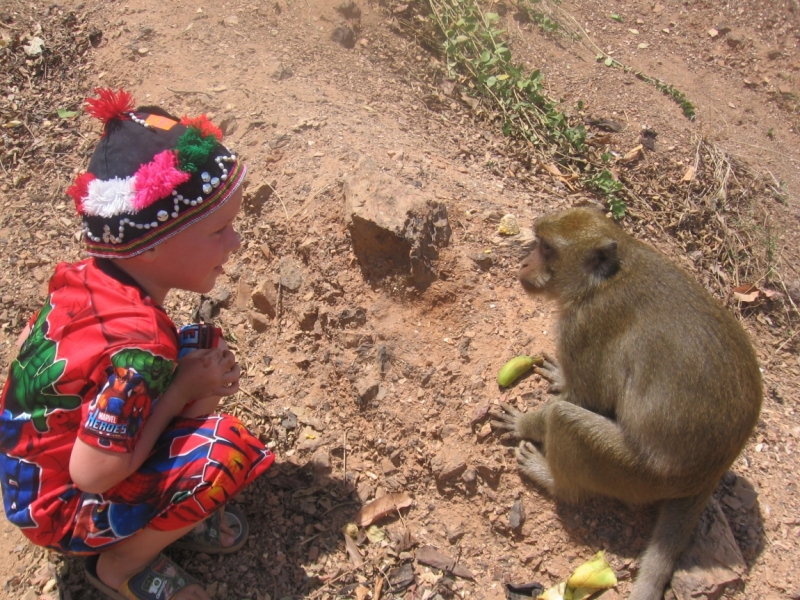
(97, 422)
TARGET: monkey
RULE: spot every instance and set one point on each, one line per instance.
(656, 387)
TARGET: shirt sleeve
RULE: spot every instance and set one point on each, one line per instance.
(132, 383)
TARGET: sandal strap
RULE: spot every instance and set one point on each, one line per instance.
(160, 580)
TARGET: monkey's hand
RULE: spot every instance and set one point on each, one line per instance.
(507, 420)
(551, 371)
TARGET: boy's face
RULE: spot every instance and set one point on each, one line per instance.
(192, 259)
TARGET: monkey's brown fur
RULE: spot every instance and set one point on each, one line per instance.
(659, 386)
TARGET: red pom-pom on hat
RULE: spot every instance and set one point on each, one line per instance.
(110, 105)
(205, 126)
(80, 189)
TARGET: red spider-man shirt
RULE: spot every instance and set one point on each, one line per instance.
(98, 356)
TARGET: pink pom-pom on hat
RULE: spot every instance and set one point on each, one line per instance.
(157, 179)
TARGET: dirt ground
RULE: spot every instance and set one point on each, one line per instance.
(301, 108)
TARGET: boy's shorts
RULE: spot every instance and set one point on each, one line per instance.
(196, 466)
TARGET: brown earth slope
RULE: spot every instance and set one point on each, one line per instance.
(302, 108)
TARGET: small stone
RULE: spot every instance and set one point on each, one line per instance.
(448, 431)
(365, 490)
(734, 40)
(484, 432)
(291, 274)
(344, 36)
(516, 516)
(448, 464)
(483, 260)
(259, 322)
(290, 421)
(469, 476)
(242, 295)
(387, 466)
(712, 33)
(265, 299)
(489, 473)
(454, 530)
(367, 389)
(308, 316)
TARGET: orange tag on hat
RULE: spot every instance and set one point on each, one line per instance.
(160, 122)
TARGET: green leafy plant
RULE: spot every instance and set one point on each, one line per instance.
(475, 47)
(667, 89)
(605, 183)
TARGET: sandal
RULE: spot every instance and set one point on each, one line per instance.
(208, 539)
(160, 580)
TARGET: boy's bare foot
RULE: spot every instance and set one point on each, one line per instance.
(227, 535)
(118, 564)
(113, 574)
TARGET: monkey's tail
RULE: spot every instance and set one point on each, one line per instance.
(675, 525)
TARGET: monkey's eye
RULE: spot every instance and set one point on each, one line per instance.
(546, 249)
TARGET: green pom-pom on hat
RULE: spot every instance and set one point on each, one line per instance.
(194, 149)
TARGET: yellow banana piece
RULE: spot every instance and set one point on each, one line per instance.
(515, 368)
(554, 593)
(595, 574)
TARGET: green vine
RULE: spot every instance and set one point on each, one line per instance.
(474, 45)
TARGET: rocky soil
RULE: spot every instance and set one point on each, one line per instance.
(370, 370)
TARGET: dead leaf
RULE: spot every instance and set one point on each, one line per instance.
(689, 175)
(361, 592)
(428, 555)
(353, 551)
(376, 593)
(380, 507)
(746, 296)
(633, 155)
(553, 170)
(35, 47)
(429, 577)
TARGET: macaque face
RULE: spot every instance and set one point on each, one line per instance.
(534, 273)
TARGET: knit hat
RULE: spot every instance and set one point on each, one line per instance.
(151, 176)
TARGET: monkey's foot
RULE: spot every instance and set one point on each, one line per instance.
(534, 466)
(551, 371)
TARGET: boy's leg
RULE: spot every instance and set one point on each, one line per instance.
(198, 464)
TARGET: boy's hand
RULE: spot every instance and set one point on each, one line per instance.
(204, 373)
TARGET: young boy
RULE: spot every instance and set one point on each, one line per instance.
(109, 444)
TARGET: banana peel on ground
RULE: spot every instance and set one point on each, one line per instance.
(590, 577)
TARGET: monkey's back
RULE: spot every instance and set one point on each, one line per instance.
(651, 349)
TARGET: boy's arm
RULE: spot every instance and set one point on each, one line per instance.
(201, 373)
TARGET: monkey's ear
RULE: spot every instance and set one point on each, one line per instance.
(604, 261)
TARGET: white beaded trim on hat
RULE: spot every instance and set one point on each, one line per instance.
(115, 197)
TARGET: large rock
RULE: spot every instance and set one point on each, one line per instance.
(713, 561)
(394, 227)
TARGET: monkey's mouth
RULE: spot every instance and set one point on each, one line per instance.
(534, 287)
